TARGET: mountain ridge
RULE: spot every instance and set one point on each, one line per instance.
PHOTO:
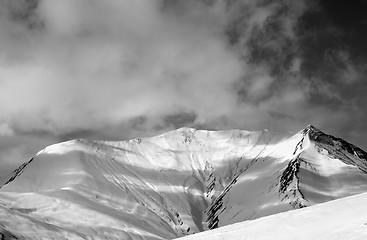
(181, 182)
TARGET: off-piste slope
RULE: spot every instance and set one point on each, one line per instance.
(340, 219)
(182, 182)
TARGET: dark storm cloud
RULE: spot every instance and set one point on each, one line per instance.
(181, 119)
(334, 61)
(123, 69)
(23, 11)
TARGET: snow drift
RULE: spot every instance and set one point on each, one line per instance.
(179, 183)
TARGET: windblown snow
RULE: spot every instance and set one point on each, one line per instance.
(176, 184)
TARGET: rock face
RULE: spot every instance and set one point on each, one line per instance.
(179, 183)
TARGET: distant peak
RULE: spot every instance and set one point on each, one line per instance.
(310, 129)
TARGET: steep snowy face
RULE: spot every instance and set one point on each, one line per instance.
(343, 218)
(327, 167)
(182, 182)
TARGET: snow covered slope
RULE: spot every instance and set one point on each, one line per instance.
(179, 183)
(340, 219)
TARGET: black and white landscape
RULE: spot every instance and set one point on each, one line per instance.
(180, 183)
(157, 119)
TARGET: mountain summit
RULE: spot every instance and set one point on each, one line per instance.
(179, 183)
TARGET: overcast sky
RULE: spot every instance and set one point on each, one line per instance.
(120, 69)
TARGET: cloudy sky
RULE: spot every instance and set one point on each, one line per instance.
(120, 69)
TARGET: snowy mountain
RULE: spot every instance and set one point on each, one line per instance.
(339, 219)
(179, 183)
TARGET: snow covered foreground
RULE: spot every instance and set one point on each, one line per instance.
(341, 219)
(176, 184)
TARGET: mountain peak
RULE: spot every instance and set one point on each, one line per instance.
(311, 129)
(178, 183)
